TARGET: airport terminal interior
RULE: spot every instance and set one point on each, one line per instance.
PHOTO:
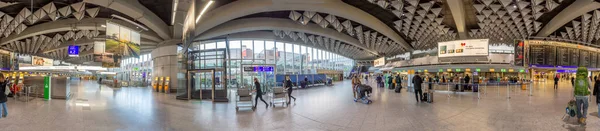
(300, 65)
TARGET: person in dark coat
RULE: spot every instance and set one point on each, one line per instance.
(399, 81)
(259, 94)
(3, 98)
(379, 81)
(555, 82)
(390, 81)
(596, 92)
(573, 81)
(417, 81)
(288, 86)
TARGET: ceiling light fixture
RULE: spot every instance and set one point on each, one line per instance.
(204, 10)
(175, 2)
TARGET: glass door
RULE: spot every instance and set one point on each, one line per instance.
(201, 84)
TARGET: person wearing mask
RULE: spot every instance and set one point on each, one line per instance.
(3, 97)
(596, 92)
(417, 81)
(259, 94)
(555, 82)
(581, 92)
(288, 86)
(379, 81)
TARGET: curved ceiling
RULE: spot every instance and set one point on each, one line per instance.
(419, 24)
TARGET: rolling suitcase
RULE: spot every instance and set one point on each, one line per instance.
(425, 97)
(397, 90)
(430, 97)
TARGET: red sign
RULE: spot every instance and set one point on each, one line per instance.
(463, 44)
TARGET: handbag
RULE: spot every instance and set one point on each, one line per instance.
(7, 90)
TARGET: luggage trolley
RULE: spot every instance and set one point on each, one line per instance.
(244, 99)
(278, 95)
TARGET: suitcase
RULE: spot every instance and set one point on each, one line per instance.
(397, 90)
(424, 97)
(430, 97)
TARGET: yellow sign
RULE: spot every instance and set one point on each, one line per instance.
(491, 70)
(510, 70)
(468, 70)
(425, 70)
(449, 70)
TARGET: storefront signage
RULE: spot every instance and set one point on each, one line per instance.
(457, 70)
(449, 70)
(425, 70)
(521, 70)
(441, 70)
(468, 70)
(418, 70)
(502, 70)
(511, 70)
(473, 47)
(478, 70)
(492, 70)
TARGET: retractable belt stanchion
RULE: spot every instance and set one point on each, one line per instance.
(530, 86)
(508, 91)
(448, 84)
(478, 94)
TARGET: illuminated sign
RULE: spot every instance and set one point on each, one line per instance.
(73, 51)
(478, 70)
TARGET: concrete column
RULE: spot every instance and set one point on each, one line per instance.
(165, 64)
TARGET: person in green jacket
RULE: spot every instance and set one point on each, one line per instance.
(581, 92)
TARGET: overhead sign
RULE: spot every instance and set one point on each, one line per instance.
(473, 47)
(379, 62)
(41, 61)
(73, 51)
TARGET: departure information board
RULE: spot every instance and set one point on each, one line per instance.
(574, 59)
(559, 54)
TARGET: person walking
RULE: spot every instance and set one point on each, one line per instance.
(581, 93)
(555, 82)
(572, 81)
(355, 82)
(379, 81)
(417, 81)
(596, 92)
(288, 86)
(259, 94)
(3, 98)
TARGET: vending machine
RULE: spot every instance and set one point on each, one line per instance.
(167, 79)
(160, 84)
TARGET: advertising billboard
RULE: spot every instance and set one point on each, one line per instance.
(41, 61)
(473, 47)
(379, 62)
(120, 42)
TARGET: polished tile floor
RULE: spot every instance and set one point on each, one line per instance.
(93, 107)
